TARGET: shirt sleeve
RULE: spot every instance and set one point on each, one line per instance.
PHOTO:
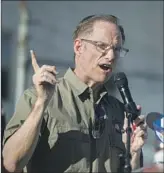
(23, 108)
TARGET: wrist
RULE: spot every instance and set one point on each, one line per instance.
(40, 101)
(40, 104)
(135, 152)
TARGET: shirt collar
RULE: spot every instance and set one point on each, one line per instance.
(79, 86)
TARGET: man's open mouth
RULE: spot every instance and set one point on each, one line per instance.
(105, 66)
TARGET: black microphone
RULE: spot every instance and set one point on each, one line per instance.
(152, 117)
(121, 82)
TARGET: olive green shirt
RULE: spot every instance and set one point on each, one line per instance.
(65, 143)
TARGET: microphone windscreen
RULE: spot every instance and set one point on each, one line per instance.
(151, 118)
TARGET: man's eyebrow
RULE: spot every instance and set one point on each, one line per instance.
(104, 43)
(118, 44)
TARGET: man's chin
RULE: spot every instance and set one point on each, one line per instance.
(103, 80)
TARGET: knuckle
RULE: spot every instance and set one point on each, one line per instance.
(44, 67)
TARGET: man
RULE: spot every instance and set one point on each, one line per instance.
(72, 124)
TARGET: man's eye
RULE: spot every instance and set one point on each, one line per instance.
(102, 46)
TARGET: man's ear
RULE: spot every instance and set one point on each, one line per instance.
(77, 46)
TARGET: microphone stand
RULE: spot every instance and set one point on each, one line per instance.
(125, 165)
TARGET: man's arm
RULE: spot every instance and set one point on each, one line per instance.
(136, 160)
(20, 146)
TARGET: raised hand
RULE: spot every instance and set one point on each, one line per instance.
(44, 79)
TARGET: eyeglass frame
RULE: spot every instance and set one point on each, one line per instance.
(104, 51)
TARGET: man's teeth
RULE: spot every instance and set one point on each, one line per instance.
(105, 66)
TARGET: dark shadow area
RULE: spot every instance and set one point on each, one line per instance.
(69, 148)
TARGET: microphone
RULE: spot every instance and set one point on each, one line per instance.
(130, 107)
(152, 117)
(155, 121)
(121, 83)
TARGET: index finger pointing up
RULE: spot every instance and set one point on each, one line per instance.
(34, 62)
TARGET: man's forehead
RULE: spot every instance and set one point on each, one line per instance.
(108, 26)
(107, 30)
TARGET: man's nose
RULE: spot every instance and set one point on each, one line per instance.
(109, 54)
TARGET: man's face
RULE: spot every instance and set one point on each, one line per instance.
(95, 63)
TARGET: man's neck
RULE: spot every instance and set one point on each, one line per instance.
(85, 79)
(96, 87)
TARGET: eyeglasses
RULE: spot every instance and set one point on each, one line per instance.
(104, 48)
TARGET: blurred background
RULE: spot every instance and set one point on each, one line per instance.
(47, 27)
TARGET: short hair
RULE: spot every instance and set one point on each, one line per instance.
(85, 26)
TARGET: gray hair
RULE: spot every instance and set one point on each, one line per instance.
(86, 25)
